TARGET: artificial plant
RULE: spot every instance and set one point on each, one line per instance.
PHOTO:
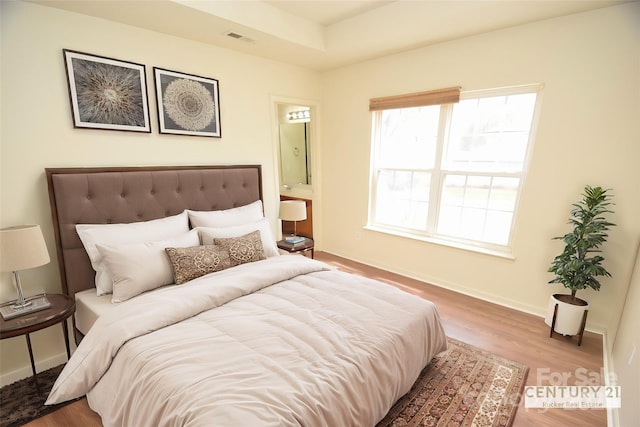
(580, 263)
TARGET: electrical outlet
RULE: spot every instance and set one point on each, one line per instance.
(632, 354)
(357, 235)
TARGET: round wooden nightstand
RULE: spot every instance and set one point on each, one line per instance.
(304, 247)
(62, 307)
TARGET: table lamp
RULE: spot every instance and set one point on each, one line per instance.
(22, 247)
(293, 210)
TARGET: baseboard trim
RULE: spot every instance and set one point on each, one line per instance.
(613, 416)
(7, 378)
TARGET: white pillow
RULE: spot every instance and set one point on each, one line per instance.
(207, 234)
(140, 267)
(135, 232)
(227, 217)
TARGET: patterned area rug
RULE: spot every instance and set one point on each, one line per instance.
(464, 386)
(21, 403)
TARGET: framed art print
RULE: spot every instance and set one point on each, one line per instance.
(187, 104)
(107, 93)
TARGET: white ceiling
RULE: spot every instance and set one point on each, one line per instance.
(327, 12)
(325, 34)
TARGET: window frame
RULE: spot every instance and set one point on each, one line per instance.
(430, 234)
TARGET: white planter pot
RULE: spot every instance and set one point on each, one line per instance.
(569, 317)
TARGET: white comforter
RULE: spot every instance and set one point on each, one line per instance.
(282, 342)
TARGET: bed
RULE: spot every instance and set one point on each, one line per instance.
(188, 315)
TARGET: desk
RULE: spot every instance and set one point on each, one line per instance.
(62, 307)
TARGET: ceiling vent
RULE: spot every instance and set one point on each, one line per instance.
(237, 36)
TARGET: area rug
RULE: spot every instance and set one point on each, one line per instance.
(21, 403)
(464, 386)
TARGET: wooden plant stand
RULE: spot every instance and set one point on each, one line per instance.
(582, 325)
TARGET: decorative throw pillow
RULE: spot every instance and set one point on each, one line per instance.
(243, 249)
(191, 263)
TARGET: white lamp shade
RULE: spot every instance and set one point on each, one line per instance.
(22, 247)
(293, 210)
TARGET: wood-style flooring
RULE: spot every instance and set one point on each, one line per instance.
(509, 333)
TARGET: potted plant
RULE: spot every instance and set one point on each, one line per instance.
(580, 264)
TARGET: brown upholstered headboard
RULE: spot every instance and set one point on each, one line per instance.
(132, 194)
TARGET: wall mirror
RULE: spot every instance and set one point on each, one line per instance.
(294, 145)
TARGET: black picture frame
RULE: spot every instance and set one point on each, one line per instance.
(187, 104)
(107, 93)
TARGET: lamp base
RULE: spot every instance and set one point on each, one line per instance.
(34, 304)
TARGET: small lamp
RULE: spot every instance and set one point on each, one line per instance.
(293, 210)
(22, 247)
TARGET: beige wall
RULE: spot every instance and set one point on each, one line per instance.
(588, 134)
(37, 130)
(626, 353)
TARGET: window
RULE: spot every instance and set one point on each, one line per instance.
(453, 171)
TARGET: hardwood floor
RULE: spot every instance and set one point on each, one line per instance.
(509, 333)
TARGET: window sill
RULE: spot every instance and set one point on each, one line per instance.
(452, 244)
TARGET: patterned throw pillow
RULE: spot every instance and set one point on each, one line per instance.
(243, 249)
(195, 261)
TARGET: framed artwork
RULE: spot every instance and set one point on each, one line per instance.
(187, 104)
(107, 93)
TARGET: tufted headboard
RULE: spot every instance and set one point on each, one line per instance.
(132, 194)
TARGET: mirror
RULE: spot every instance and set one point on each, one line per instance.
(294, 133)
(294, 153)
